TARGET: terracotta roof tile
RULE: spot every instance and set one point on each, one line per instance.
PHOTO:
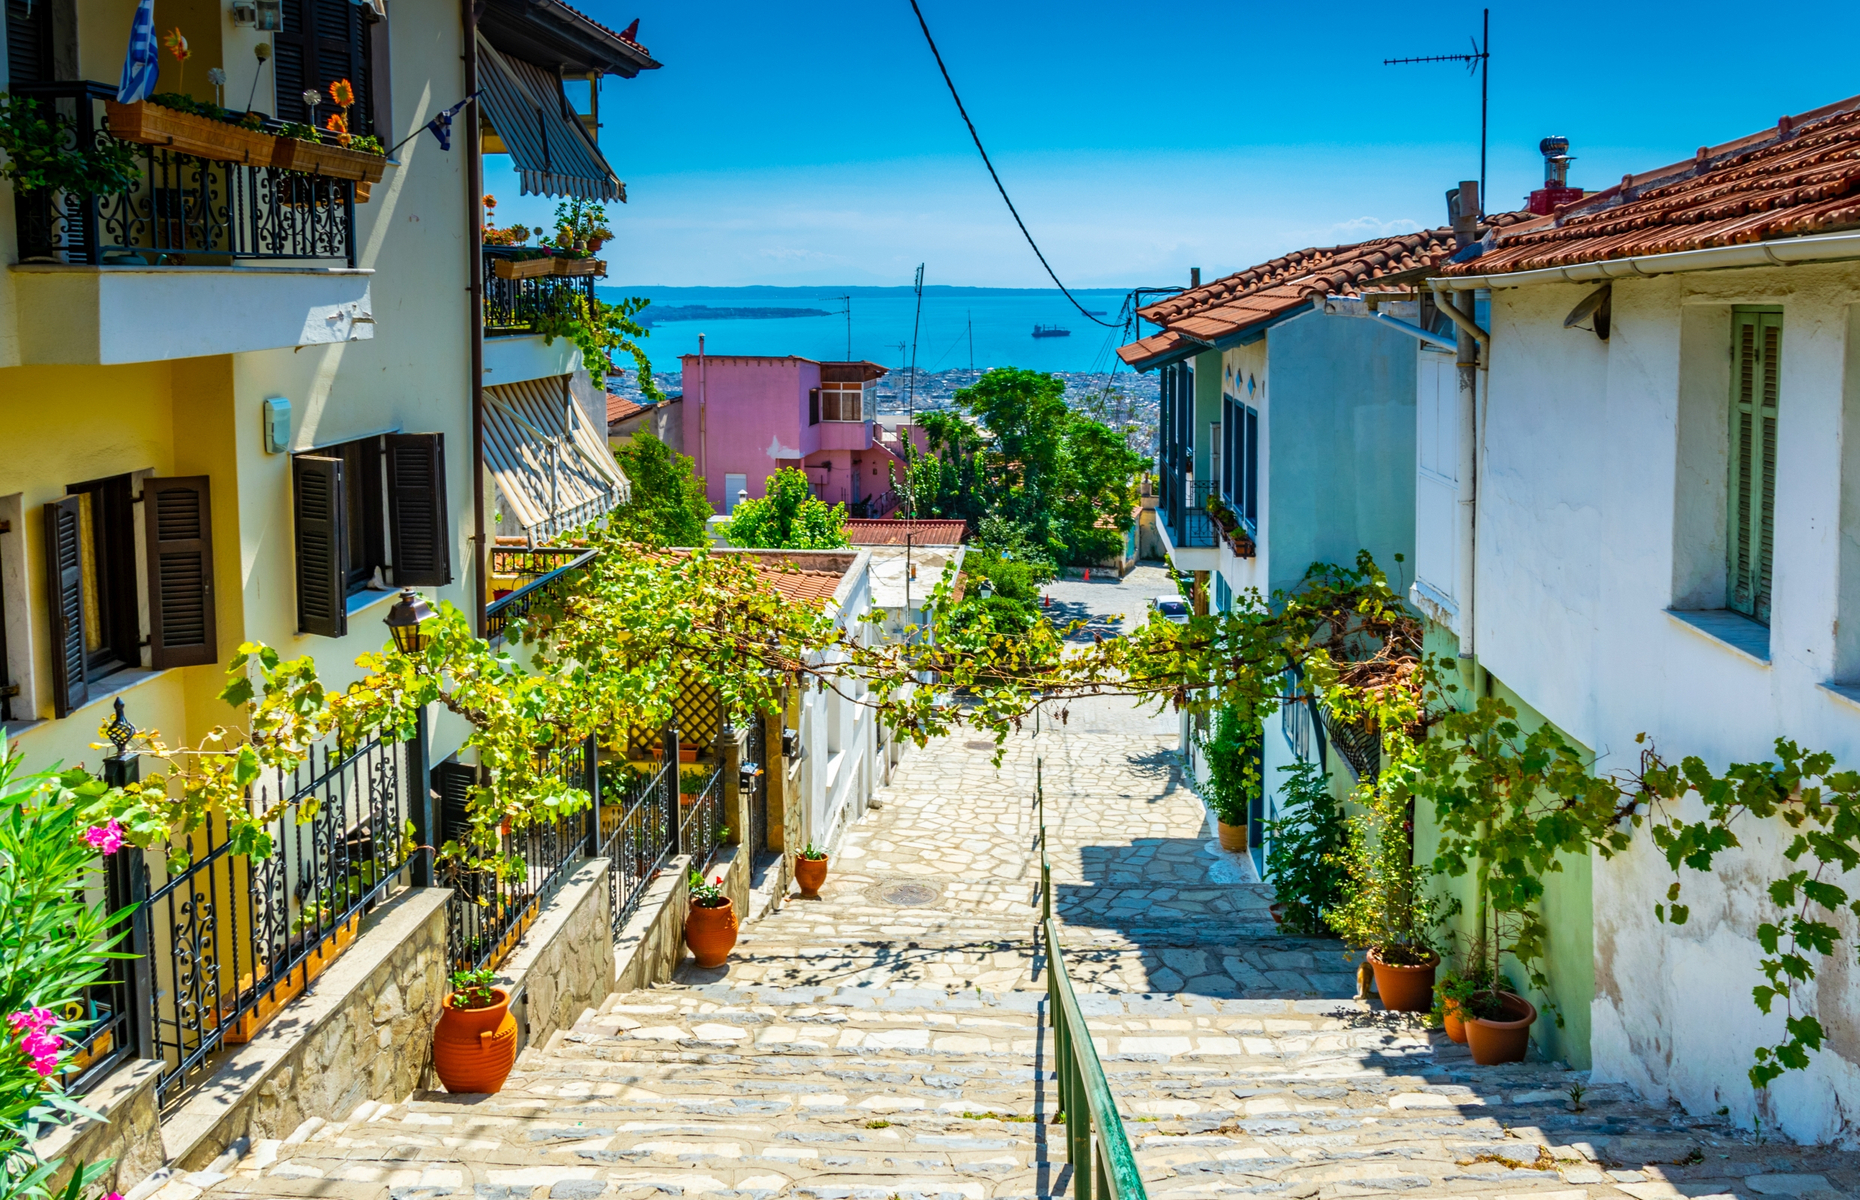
(1258, 294)
(619, 408)
(815, 587)
(1800, 177)
(861, 531)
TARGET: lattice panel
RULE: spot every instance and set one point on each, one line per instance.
(698, 713)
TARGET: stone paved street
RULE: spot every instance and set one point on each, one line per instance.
(887, 1041)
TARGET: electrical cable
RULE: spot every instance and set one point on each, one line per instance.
(977, 138)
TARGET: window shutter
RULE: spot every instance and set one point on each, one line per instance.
(1252, 467)
(177, 522)
(64, 577)
(1757, 353)
(453, 781)
(322, 523)
(422, 538)
(323, 41)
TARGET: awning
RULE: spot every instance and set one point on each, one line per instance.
(552, 466)
(548, 144)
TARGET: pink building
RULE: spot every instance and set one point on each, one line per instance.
(746, 417)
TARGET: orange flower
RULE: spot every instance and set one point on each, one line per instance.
(176, 45)
(339, 125)
(490, 201)
(342, 93)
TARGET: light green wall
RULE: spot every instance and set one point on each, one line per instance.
(1568, 905)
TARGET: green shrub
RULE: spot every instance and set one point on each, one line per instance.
(1304, 853)
(1231, 750)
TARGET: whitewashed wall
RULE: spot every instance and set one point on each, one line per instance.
(1601, 507)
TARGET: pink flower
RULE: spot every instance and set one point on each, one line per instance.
(37, 1040)
(107, 838)
(114, 1196)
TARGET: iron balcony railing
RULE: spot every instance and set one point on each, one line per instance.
(550, 572)
(182, 210)
(1190, 526)
(512, 306)
(639, 835)
(1096, 1144)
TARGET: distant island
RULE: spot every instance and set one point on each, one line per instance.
(654, 315)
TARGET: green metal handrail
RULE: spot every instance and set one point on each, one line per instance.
(1084, 1094)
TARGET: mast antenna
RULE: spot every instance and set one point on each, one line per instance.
(1478, 62)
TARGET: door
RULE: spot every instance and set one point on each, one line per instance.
(733, 486)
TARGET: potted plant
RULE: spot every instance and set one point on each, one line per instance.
(475, 1042)
(42, 156)
(1233, 775)
(1455, 990)
(1305, 845)
(1384, 908)
(710, 923)
(810, 870)
(189, 126)
(1498, 1020)
(691, 782)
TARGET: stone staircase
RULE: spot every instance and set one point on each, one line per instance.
(858, 1060)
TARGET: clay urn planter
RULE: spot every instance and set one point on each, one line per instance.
(1278, 912)
(1504, 1038)
(1453, 1020)
(810, 871)
(475, 1047)
(1405, 989)
(710, 924)
(1233, 837)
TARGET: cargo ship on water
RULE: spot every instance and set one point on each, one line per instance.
(1045, 331)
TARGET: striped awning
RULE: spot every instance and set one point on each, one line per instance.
(550, 147)
(551, 464)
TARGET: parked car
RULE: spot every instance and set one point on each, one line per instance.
(1170, 608)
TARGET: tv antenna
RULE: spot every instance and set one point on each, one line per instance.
(846, 307)
(1478, 62)
(916, 323)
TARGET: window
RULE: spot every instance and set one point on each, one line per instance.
(1756, 350)
(368, 512)
(96, 587)
(1240, 460)
(841, 402)
(323, 41)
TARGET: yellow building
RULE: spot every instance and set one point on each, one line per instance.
(237, 393)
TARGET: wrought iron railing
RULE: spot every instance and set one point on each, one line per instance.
(1096, 1144)
(182, 210)
(231, 939)
(550, 571)
(701, 822)
(639, 835)
(512, 306)
(489, 912)
(1190, 526)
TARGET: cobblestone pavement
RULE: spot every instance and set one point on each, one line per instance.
(887, 1042)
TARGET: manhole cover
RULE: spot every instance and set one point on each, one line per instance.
(908, 895)
(978, 745)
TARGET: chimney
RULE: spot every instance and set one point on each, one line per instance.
(1556, 191)
(1194, 277)
(1463, 212)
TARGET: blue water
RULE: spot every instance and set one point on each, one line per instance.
(998, 322)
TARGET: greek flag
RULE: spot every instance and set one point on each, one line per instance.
(441, 124)
(142, 64)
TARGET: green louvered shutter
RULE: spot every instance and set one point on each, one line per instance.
(1756, 353)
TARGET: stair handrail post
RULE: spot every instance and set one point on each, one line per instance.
(730, 752)
(672, 782)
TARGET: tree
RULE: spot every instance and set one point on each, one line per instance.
(1019, 453)
(667, 506)
(787, 517)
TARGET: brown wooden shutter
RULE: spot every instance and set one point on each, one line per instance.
(177, 521)
(453, 781)
(64, 577)
(421, 535)
(320, 510)
(1756, 367)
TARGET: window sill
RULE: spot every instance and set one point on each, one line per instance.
(366, 599)
(1849, 692)
(1732, 630)
(833, 769)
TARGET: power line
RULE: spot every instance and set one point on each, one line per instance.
(977, 138)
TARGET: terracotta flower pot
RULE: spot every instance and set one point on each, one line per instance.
(474, 1048)
(1505, 1038)
(1405, 989)
(1453, 1021)
(1233, 837)
(810, 873)
(1278, 912)
(711, 933)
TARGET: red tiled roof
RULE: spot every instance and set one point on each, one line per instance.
(1259, 294)
(807, 587)
(862, 531)
(619, 408)
(1801, 176)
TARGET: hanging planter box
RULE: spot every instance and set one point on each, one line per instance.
(579, 266)
(188, 133)
(293, 984)
(522, 268)
(314, 158)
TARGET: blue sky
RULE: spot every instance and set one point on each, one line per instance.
(814, 143)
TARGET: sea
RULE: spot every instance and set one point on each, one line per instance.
(958, 327)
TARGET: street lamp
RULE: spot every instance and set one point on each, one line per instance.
(405, 620)
(987, 590)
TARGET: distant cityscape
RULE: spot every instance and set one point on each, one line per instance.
(1121, 400)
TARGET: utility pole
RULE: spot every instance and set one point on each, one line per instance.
(916, 323)
(846, 305)
(1478, 62)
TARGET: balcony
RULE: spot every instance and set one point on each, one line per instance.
(513, 304)
(1189, 536)
(197, 257)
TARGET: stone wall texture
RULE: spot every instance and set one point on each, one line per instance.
(564, 964)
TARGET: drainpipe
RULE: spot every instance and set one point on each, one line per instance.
(1467, 345)
(474, 206)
